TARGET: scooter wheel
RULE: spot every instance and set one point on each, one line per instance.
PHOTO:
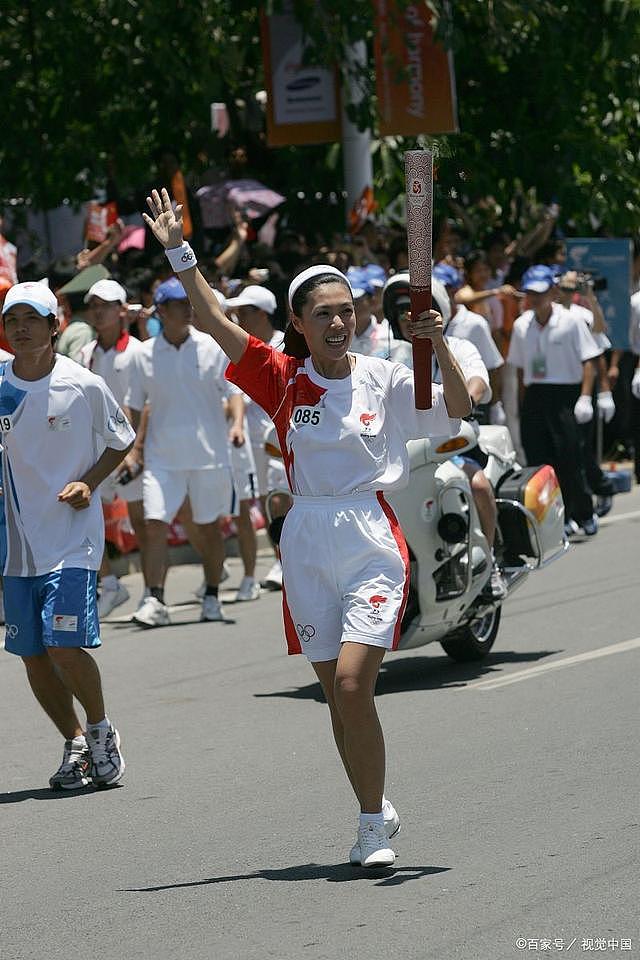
(474, 640)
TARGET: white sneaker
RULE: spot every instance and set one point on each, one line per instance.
(391, 827)
(225, 574)
(373, 844)
(212, 609)
(110, 599)
(107, 762)
(144, 596)
(273, 580)
(249, 589)
(151, 613)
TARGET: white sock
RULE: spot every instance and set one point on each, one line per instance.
(377, 818)
(110, 582)
(103, 725)
(79, 741)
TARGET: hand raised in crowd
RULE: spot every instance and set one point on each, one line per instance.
(166, 223)
(429, 325)
(76, 494)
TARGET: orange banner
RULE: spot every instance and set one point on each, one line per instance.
(415, 81)
(303, 104)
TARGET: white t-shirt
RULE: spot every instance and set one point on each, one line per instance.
(53, 431)
(586, 315)
(5, 356)
(468, 358)
(467, 325)
(553, 353)
(340, 437)
(375, 340)
(185, 386)
(634, 323)
(113, 365)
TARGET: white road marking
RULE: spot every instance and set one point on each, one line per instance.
(493, 683)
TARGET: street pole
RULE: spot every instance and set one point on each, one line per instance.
(356, 144)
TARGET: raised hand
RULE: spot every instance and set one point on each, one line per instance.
(165, 223)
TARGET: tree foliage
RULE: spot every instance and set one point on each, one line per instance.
(548, 100)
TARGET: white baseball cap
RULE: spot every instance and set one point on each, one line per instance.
(36, 295)
(254, 296)
(109, 290)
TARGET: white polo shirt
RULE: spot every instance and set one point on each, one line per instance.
(467, 325)
(467, 357)
(185, 386)
(53, 431)
(560, 347)
(113, 365)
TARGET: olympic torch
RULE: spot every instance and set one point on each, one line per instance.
(418, 165)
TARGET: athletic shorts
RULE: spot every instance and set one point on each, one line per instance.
(56, 609)
(270, 472)
(210, 492)
(243, 469)
(345, 567)
(109, 489)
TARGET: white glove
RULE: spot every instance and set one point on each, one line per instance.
(497, 416)
(635, 384)
(583, 410)
(606, 406)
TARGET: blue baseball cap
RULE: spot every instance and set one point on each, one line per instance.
(447, 275)
(538, 279)
(171, 289)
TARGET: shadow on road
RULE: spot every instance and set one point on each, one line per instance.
(332, 873)
(45, 793)
(424, 673)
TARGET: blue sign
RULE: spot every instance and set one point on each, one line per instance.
(609, 259)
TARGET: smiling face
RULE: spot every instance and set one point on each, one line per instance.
(328, 323)
(27, 331)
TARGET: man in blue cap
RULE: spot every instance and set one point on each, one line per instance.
(553, 352)
(180, 374)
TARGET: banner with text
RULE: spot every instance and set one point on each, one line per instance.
(302, 101)
(415, 81)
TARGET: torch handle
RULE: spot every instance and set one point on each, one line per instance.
(422, 352)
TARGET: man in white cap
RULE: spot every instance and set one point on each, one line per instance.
(255, 308)
(63, 433)
(110, 356)
(180, 374)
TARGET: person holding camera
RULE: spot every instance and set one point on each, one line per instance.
(111, 356)
(553, 352)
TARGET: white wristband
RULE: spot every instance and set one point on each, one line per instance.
(181, 258)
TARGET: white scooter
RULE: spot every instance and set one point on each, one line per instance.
(451, 559)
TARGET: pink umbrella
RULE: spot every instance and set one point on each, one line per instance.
(249, 195)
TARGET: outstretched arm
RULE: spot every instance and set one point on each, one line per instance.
(167, 228)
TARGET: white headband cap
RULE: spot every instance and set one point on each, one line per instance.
(319, 270)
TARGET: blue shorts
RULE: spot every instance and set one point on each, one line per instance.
(57, 609)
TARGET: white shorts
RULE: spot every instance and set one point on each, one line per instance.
(270, 471)
(210, 492)
(243, 469)
(109, 489)
(345, 567)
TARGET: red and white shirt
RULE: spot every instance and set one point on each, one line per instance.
(340, 437)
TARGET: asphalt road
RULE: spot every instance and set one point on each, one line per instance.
(517, 781)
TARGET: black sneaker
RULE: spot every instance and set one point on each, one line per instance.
(589, 527)
(75, 770)
(107, 763)
(603, 505)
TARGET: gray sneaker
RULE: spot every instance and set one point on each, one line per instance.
(75, 770)
(107, 762)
